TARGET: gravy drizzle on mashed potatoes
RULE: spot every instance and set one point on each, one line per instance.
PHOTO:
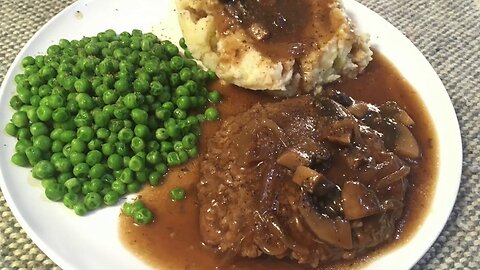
(282, 45)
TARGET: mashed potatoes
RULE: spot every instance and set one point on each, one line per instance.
(296, 51)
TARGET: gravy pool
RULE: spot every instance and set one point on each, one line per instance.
(173, 241)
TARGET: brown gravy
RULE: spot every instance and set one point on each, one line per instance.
(280, 28)
(172, 241)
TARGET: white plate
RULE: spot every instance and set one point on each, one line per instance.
(92, 242)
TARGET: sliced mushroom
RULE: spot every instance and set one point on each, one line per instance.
(292, 159)
(391, 110)
(405, 144)
(312, 181)
(342, 137)
(330, 108)
(336, 232)
(358, 201)
(341, 131)
(358, 109)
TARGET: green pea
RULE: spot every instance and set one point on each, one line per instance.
(16, 103)
(27, 61)
(139, 116)
(22, 145)
(119, 187)
(11, 129)
(183, 156)
(111, 197)
(96, 185)
(177, 194)
(83, 118)
(136, 163)
(23, 133)
(189, 141)
(179, 113)
(211, 114)
(84, 101)
(171, 49)
(214, 96)
(185, 74)
(127, 208)
(173, 159)
(109, 97)
(63, 165)
(80, 209)
(73, 185)
(60, 115)
(143, 216)
(33, 155)
(102, 119)
(141, 131)
(42, 142)
(192, 152)
(93, 157)
(161, 168)
(166, 146)
(94, 144)
(20, 159)
(121, 85)
(55, 192)
(76, 158)
(97, 170)
(85, 133)
(78, 145)
(115, 162)
(183, 103)
(154, 178)
(92, 200)
(67, 136)
(126, 176)
(70, 199)
(125, 135)
(81, 170)
(20, 119)
(121, 148)
(154, 157)
(134, 187)
(121, 113)
(137, 144)
(63, 177)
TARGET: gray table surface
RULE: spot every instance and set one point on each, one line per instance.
(447, 32)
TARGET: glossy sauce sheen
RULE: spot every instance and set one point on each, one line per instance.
(291, 28)
(172, 241)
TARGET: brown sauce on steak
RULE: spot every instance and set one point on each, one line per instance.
(173, 241)
(280, 28)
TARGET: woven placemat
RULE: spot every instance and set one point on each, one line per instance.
(445, 31)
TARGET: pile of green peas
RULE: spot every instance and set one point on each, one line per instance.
(99, 117)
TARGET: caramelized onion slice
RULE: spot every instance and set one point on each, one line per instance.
(336, 232)
(358, 201)
(393, 177)
(312, 181)
(405, 144)
(292, 159)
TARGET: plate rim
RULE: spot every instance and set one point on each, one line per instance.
(61, 261)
